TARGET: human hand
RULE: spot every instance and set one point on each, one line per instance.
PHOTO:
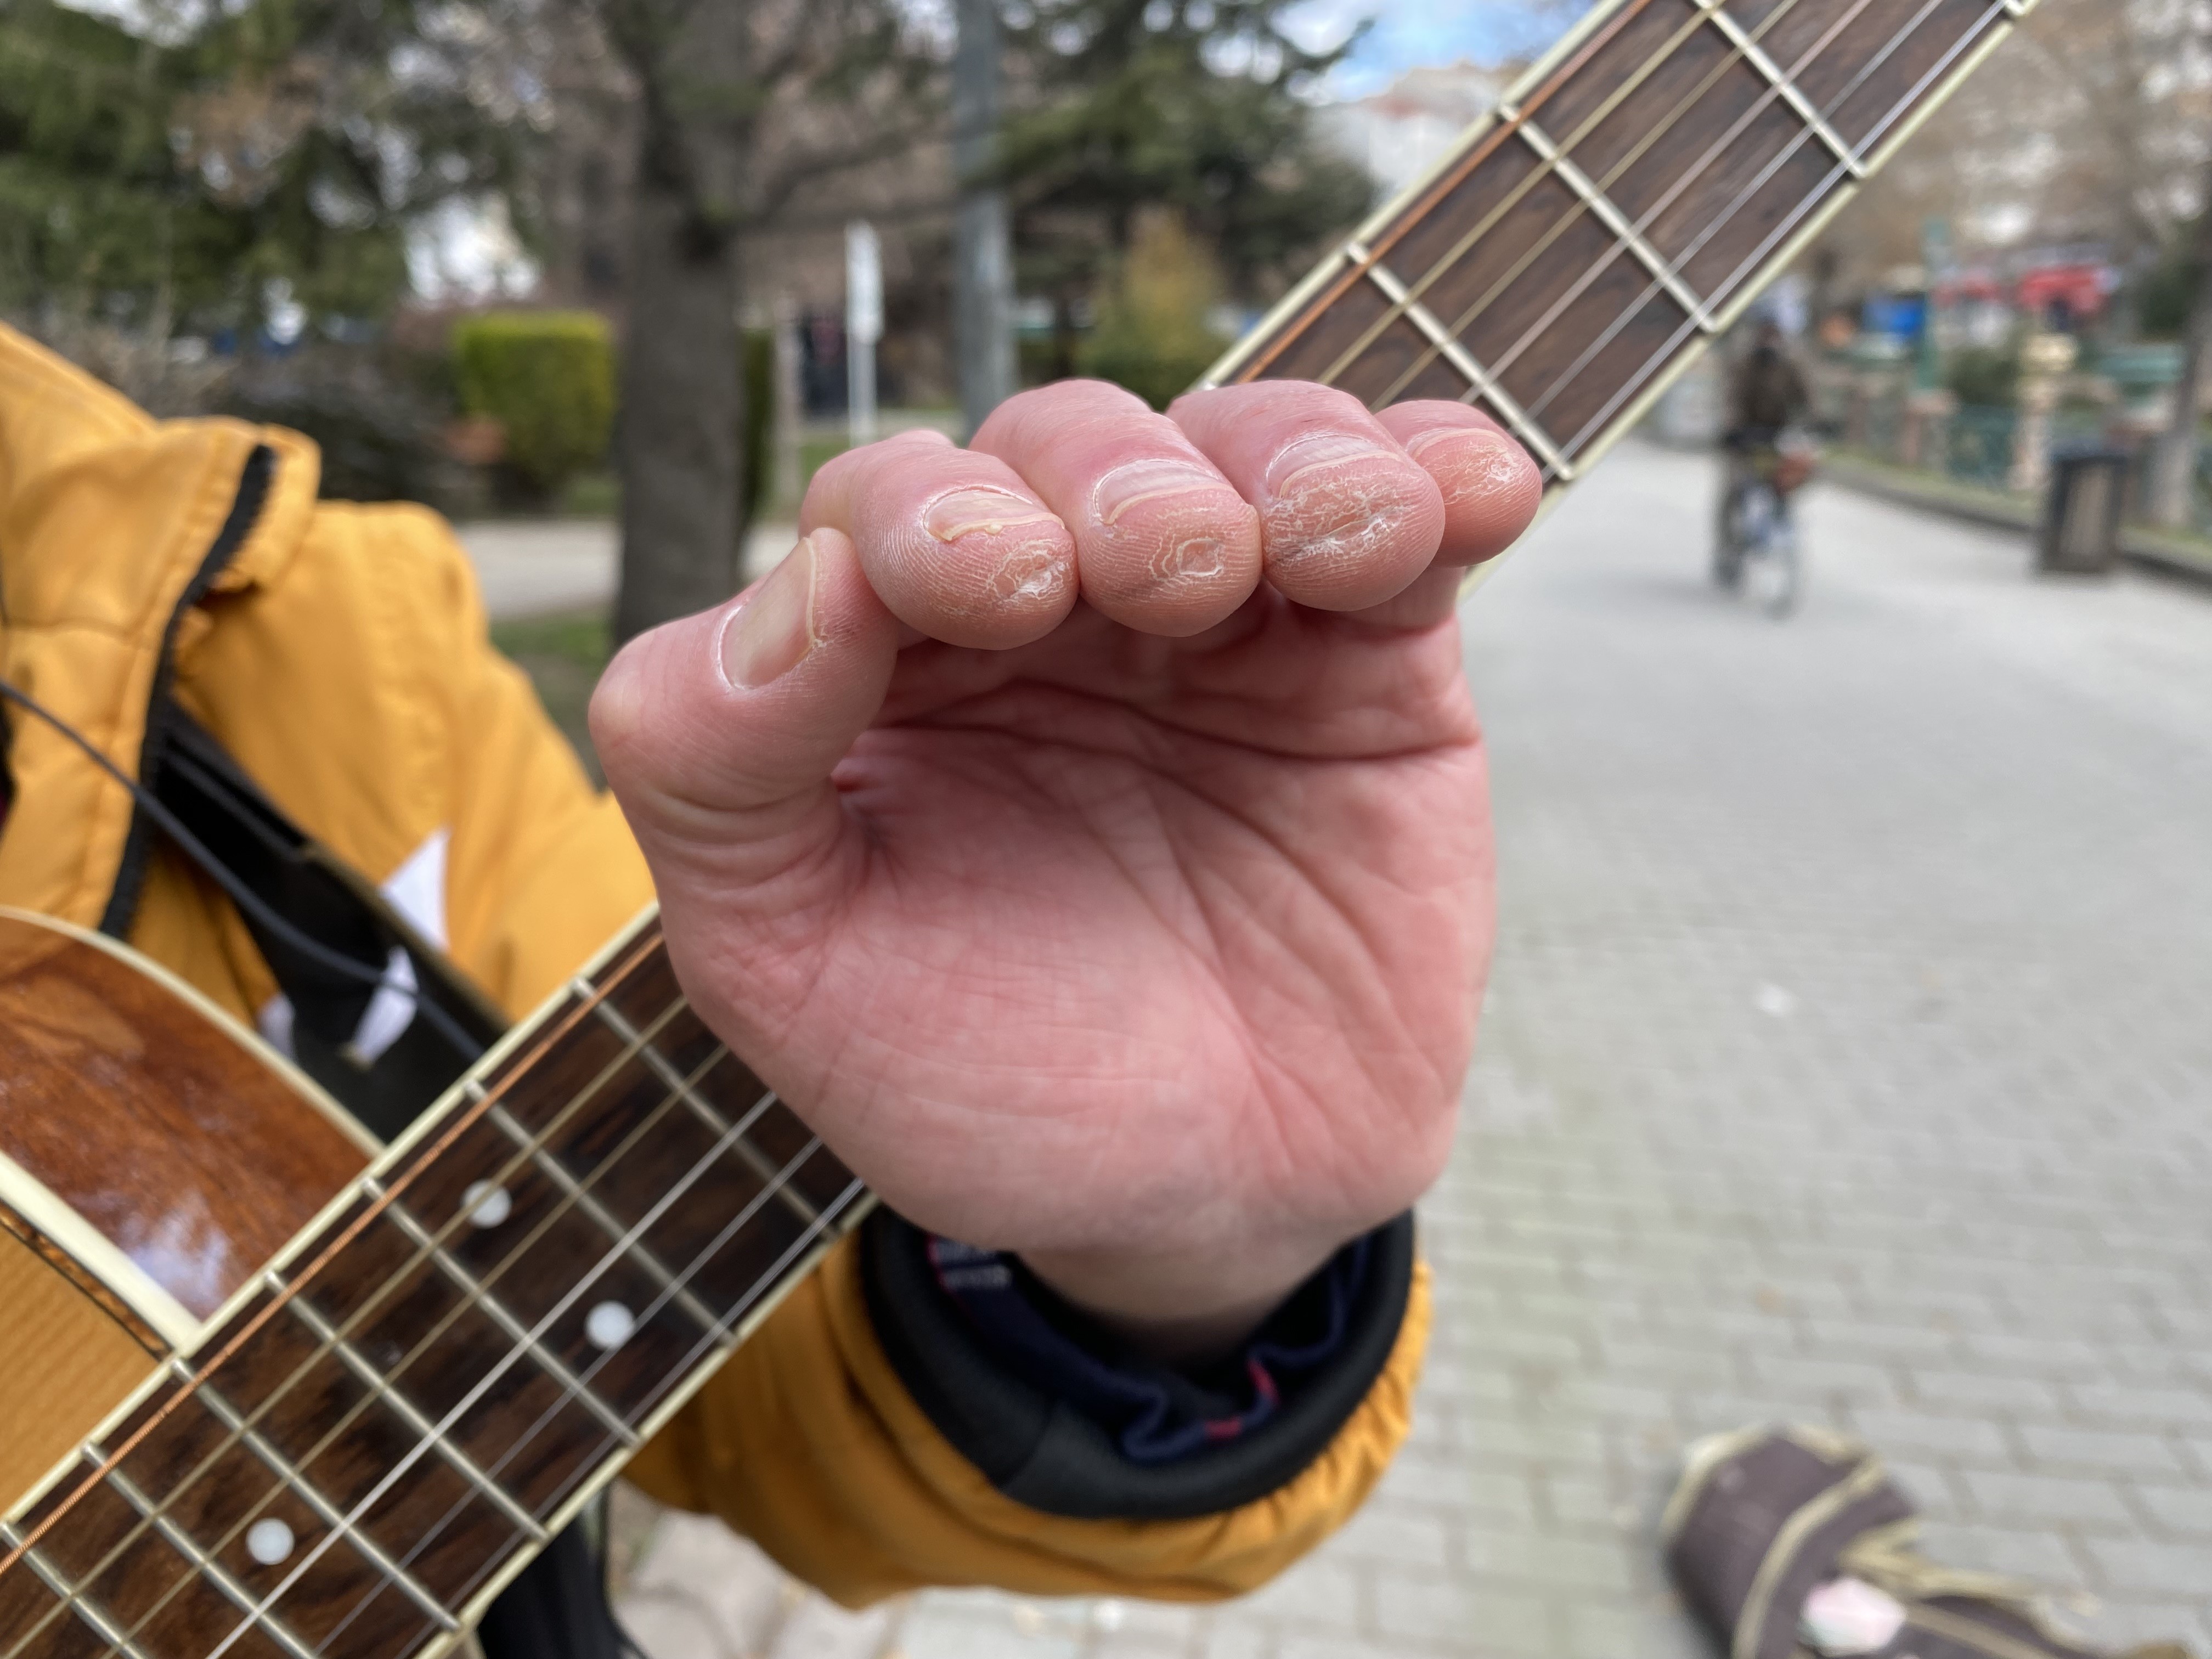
(1086, 831)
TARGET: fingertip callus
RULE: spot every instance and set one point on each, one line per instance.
(1348, 520)
(1490, 486)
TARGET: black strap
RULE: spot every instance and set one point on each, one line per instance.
(309, 887)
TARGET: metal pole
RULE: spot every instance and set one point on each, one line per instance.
(983, 267)
(864, 327)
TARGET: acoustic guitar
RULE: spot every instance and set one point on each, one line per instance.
(269, 1389)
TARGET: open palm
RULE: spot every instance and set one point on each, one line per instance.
(1086, 830)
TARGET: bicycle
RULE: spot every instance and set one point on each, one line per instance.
(1757, 556)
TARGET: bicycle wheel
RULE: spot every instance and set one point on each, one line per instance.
(1773, 576)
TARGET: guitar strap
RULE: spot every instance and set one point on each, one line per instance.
(340, 1031)
(557, 1608)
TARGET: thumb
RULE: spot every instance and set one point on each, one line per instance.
(719, 733)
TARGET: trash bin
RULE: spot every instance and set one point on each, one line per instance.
(2081, 516)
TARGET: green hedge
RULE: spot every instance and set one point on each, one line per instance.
(1152, 334)
(548, 377)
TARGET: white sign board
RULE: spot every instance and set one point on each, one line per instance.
(864, 283)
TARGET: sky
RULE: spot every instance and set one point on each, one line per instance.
(1407, 32)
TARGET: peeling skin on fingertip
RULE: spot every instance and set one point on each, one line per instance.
(1484, 463)
(1197, 558)
(1334, 521)
(991, 512)
(1030, 573)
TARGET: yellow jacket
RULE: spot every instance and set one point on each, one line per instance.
(339, 654)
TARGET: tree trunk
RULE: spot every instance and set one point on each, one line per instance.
(681, 419)
(680, 433)
(2173, 462)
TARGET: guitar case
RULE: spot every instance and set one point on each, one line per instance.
(557, 1607)
(1764, 1518)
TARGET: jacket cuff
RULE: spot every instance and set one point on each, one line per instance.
(1041, 1449)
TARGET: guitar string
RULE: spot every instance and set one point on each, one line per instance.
(623, 1250)
(591, 1461)
(1583, 208)
(303, 1461)
(1748, 265)
(1450, 180)
(1748, 193)
(1547, 167)
(323, 1349)
(1723, 291)
(463, 1122)
(476, 1393)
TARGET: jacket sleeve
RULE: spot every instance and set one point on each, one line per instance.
(871, 1445)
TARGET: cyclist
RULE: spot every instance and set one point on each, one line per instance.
(1766, 393)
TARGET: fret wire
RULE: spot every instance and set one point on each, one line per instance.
(26, 1550)
(723, 1335)
(312, 1495)
(1602, 209)
(1461, 359)
(203, 1565)
(483, 1384)
(1750, 263)
(1443, 187)
(1537, 330)
(1713, 151)
(331, 1340)
(853, 1191)
(556, 1172)
(380, 1384)
(381, 1389)
(1511, 119)
(1504, 281)
(1755, 55)
(452, 1132)
(768, 1280)
(706, 1113)
(479, 1295)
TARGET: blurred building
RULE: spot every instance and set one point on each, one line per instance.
(1399, 133)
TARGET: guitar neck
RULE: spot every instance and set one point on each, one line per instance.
(1625, 203)
(433, 1379)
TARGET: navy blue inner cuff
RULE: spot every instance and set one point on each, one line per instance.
(1154, 1414)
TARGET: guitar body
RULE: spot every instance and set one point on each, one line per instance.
(269, 1389)
(153, 1158)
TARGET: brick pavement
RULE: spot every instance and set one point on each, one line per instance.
(1847, 1060)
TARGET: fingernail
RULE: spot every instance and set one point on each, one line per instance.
(771, 633)
(1473, 437)
(1479, 462)
(1324, 451)
(1125, 486)
(990, 511)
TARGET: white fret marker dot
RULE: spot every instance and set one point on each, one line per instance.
(487, 1205)
(609, 1325)
(268, 1542)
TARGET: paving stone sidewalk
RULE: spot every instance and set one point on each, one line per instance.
(1848, 1059)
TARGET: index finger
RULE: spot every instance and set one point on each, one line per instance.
(953, 541)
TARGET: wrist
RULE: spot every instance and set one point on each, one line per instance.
(1183, 1308)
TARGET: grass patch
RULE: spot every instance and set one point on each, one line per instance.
(564, 656)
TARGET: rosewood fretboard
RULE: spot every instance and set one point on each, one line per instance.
(1628, 199)
(431, 1381)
